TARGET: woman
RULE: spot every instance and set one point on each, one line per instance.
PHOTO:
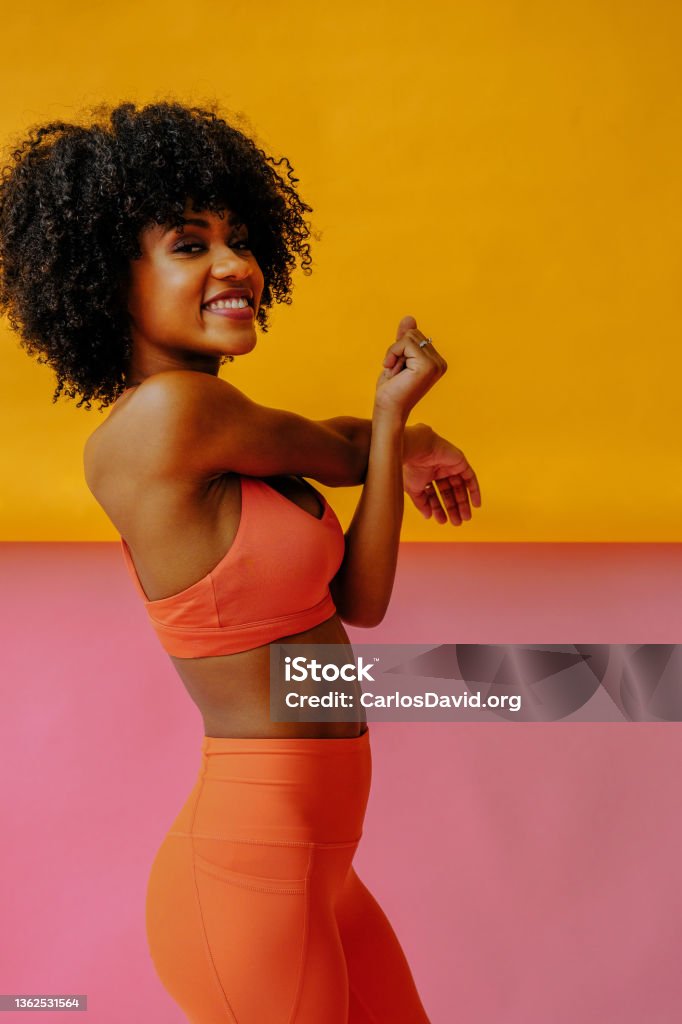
(138, 253)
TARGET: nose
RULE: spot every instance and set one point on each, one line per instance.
(230, 263)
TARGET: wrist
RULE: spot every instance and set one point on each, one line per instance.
(385, 416)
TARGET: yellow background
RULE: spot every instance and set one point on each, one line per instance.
(508, 173)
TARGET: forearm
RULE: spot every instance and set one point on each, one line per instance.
(359, 432)
(363, 585)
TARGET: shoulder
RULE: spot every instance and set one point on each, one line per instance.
(151, 430)
(181, 412)
(178, 390)
(184, 402)
(187, 427)
(174, 403)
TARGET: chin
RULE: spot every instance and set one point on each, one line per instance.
(242, 349)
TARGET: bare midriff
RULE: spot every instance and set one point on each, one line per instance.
(232, 692)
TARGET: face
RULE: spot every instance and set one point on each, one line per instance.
(172, 292)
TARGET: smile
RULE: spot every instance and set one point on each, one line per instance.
(228, 303)
(233, 312)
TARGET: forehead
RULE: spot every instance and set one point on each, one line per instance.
(225, 214)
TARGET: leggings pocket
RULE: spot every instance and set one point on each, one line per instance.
(255, 925)
(274, 866)
(260, 883)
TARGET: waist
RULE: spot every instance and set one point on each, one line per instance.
(232, 691)
(300, 790)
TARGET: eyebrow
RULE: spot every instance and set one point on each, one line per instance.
(200, 223)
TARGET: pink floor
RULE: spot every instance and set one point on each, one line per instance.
(531, 871)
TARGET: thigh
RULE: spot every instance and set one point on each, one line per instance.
(381, 986)
(239, 934)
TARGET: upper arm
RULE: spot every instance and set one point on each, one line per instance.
(199, 424)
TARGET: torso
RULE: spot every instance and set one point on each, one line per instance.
(177, 534)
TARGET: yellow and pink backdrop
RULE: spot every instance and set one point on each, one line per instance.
(509, 174)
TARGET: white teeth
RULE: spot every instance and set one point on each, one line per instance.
(239, 303)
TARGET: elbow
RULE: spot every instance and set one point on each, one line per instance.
(366, 619)
(352, 470)
(348, 471)
(374, 618)
(361, 610)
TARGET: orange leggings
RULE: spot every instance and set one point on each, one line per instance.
(254, 913)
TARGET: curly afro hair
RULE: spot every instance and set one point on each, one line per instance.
(73, 200)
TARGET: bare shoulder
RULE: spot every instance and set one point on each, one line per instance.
(185, 425)
(147, 434)
(178, 391)
(174, 407)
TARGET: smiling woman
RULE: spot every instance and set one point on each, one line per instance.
(176, 306)
(162, 237)
(75, 200)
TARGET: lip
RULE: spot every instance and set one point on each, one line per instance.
(233, 314)
(231, 293)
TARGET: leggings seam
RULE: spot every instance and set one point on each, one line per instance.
(265, 842)
(255, 887)
(304, 941)
(362, 1002)
(207, 947)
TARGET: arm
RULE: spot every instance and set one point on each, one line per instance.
(417, 441)
(362, 587)
(192, 425)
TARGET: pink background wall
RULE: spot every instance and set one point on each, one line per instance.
(531, 871)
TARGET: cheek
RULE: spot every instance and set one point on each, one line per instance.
(143, 289)
(153, 296)
(135, 297)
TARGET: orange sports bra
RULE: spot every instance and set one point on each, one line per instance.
(272, 582)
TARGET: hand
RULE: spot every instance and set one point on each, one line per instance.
(409, 371)
(441, 462)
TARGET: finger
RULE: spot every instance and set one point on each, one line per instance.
(471, 481)
(410, 335)
(423, 504)
(450, 511)
(461, 496)
(393, 359)
(405, 324)
(397, 367)
(449, 500)
(432, 502)
(408, 345)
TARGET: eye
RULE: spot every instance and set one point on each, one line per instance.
(242, 245)
(187, 245)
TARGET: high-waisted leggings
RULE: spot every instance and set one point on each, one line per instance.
(254, 912)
